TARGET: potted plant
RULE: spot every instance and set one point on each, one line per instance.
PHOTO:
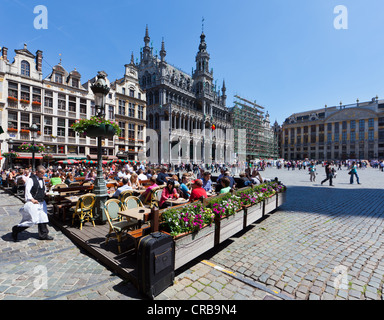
(24, 131)
(12, 130)
(36, 103)
(96, 127)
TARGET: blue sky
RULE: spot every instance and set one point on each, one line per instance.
(286, 55)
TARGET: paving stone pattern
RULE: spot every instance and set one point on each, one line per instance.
(325, 243)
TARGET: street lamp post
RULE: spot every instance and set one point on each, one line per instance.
(100, 89)
(10, 148)
(33, 128)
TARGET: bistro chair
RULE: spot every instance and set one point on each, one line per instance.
(132, 202)
(75, 184)
(125, 194)
(20, 190)
(57, 188)
(117, 226)
(84, 208)
(155, 197)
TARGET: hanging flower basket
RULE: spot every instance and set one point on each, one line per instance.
(47, 156)
(25, 101)
(36, 103)
(102, 130)
(96, 127)
(12, 130)
(11, 154)
(29, 147)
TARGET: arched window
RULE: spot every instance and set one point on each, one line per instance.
(25, 68)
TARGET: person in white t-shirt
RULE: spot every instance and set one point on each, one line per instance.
(142, 176)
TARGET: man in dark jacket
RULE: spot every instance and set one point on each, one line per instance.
(329, 173)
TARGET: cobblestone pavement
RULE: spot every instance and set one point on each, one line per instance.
(324, 243)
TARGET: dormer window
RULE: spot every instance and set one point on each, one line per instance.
(58, 78)
(25, 68)
(75, 83)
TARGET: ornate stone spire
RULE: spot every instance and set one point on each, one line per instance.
(163, 53)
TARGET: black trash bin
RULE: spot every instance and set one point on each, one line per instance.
(156, 263)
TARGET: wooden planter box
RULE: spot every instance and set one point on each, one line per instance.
(270, 204)
(253, 213)
(227, 227)
(281, 198)
(191, 245)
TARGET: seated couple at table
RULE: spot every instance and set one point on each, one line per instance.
(171, 193)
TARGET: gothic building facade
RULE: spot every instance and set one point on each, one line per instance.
(187, 118)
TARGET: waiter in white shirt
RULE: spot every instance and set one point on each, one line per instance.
(35, 208)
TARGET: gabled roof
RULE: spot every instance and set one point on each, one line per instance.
(25, 52)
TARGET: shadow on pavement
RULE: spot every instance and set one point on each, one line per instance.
(335, 201)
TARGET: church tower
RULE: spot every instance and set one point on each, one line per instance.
(202, 76)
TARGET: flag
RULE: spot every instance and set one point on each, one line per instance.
(213, 127)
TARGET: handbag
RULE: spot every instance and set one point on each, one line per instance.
(350, 172)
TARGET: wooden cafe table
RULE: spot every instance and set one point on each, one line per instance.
(177, 202)
(72, 199)
(135, 213)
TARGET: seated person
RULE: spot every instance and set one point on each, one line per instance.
(184, 191)
(91, 176)
(124, 187)
(54, 180)
(207, 183)
(162, 177)
(135, 182)
(146, 195)
(257, 178)
(123, 173)
(243, 181)
(169, 192)
(232, 182)
(24, 175)
(142, 176)
(69, 179)
(197, 191)
(225, 183)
